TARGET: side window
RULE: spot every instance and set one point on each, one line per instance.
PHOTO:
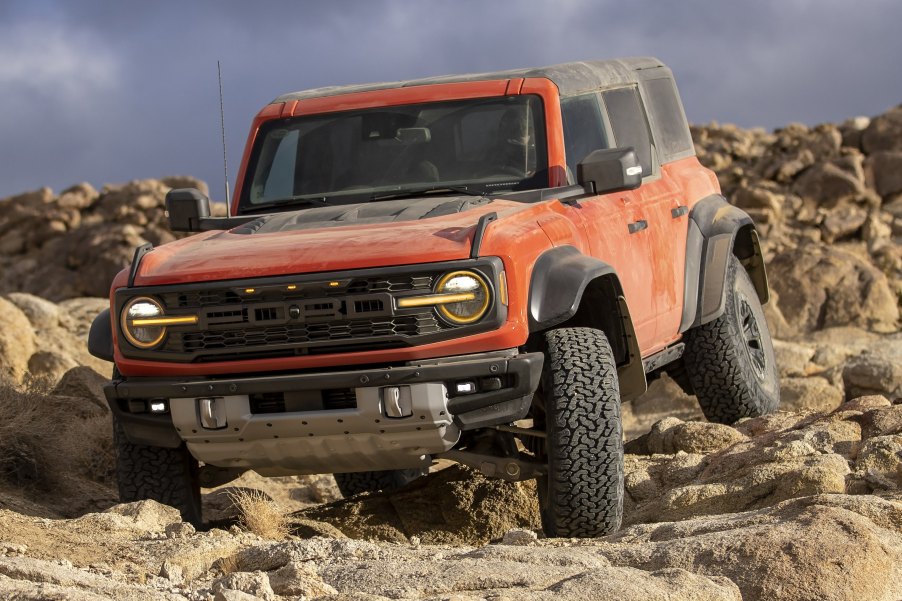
(583, 129)
(671, 130)
(275, 179)
(629, 124)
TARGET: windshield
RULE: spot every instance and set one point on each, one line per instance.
(494, 144)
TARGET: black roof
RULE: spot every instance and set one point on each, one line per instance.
(570, 78)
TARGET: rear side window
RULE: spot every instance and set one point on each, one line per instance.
(671, 131)
(583, 129)
(629, 124)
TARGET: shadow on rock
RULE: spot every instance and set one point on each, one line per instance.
(456, 505)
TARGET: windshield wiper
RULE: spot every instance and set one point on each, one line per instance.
(292, 201)
(441, 189)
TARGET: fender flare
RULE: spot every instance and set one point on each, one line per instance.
(559, 278)
(100, 337)
(568, 287)
(717, 230)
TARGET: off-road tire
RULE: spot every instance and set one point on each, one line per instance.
(730, 361)
(169, 476)
(354, 483)
(582, 494)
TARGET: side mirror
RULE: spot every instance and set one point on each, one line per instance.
(609, 170)
(187, 207)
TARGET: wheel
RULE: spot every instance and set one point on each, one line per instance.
(582, 494)
(730, 361)
(169, 476)
(354, 483)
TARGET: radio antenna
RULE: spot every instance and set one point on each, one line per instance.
(225, 160)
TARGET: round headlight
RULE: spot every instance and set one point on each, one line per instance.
(143, 336)
(470, 284)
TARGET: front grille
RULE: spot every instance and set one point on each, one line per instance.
(306, 314)
(299, 335)
(229, 296)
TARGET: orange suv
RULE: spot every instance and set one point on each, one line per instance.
(477, 268)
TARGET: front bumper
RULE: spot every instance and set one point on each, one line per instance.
(321, 440)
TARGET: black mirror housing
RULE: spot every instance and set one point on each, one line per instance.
(187, 207)
(610, 170)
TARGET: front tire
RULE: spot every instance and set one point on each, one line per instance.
(169, 476)
(730, 361)
(582, 495)
(354, 483)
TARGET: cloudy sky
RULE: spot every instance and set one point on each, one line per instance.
(104, 91)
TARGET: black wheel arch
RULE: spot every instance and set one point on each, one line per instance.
(570, 289)
(716, 231)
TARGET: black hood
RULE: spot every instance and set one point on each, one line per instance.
(384, 211)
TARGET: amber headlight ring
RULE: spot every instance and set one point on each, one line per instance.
(464, 283)
(143, 322)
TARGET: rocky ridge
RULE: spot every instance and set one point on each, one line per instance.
(805, 504)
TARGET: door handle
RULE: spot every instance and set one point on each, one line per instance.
(638, 226)
(679, 211)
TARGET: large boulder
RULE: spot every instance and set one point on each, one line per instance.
(821, 287)
(17, 342)
(828, 184)
(884, 132)
(877, 370)
(885, 168)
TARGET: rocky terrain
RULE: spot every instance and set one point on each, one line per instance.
(803, 504)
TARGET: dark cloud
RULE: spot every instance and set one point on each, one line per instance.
(105, 92)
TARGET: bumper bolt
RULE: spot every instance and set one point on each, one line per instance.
(364, 379)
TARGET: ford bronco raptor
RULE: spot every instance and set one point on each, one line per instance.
(476, 268)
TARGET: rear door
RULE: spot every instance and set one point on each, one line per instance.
(670, 218)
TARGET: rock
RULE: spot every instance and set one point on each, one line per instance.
(83, 382)
(299, 579)
(255, 584)
(664, 398)
(843, 223)
(42, 313)
(50, 366)
(772, 459)
(761, 199)
(80, 196)
(233, 595)
(17, 342)
(73, 245)
(660, 584)
(519, 536)
(820, 287)
(793, 359)
(186, 181)
(809, 394)
(440, 508)
(671, 435)
(828, 185)
(179, 530)
(147, 516)
(33, 578)
(820, 547)
(886, 168)
(852, 130)
(878, 370)
(882, 421)
(884, 132)
(880, 461)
